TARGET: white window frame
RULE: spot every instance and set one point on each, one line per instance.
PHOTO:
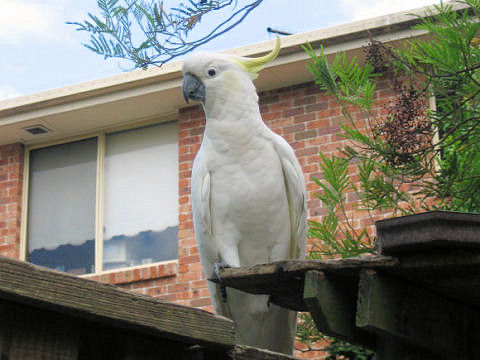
(99, 208)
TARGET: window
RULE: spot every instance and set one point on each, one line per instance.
(61, 216)
(104, 203)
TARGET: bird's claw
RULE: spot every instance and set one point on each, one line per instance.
(216, 270)
(219, 266)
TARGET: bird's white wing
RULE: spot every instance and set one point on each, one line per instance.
(201, 197)
(295, 183)
(202, 220)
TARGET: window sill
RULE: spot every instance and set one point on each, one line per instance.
(135, 274)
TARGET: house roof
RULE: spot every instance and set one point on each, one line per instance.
(155, 94)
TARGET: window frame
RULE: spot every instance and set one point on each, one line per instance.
(99, 197)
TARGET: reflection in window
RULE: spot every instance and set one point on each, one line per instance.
(140, 192)
(61, 209)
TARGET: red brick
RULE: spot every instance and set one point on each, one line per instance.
(304, 118)
(272, 116)
(305, 100)
(298, 144)
(199, 284)
(178, 288)
(189, 259)
(316, 107)
(281, 106)
(11, 182)
(268, 99)
(136, 274)
(293, 112)
(197, 131)
(306, 151)
(196, 266)
(294, 128)
(186, 157)
(305, 135)
(155, 291)
(200, 302)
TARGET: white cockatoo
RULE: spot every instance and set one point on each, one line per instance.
(248, 192)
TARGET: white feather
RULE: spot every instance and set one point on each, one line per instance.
(248, 198)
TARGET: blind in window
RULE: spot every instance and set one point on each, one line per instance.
(61, 208)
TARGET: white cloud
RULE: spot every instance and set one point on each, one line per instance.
(22, 20)
(358, 10)
(7, 92)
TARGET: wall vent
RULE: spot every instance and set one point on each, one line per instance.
(37, 129)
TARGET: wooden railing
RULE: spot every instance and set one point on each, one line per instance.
(45, 314)
(418, 299)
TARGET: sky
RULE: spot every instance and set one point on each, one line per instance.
(39, 51)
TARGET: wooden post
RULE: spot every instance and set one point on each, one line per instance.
(409, 315)
(332, 302)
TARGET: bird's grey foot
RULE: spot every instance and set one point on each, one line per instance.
(216, 269)
(219, 266)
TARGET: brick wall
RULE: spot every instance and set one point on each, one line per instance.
(309, 121)
(302, 114)
(11, 182)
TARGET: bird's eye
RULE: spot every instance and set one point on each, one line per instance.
(212, 72)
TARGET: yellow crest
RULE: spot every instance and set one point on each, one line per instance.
(254, 65)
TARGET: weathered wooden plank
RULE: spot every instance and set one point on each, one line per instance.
(390, 307)
(31, 335)
(428, 232)
(332, 302)
(454, 275)
(298, 267)
(441, 263)
(243, 352)
(50, 289)
(283, 280)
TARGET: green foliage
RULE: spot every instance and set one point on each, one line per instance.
(411, 159)
(145, 33)
(450, 65)
(337, 238)
(348, 81)
(308, 334)
(435, 151)
(338, 349)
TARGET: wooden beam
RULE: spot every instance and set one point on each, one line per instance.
(283, 280)
(241, 276)
(243, 352)
(60, 292)
(454, 274)
(429, 231)
(332, 302)
(393, 308)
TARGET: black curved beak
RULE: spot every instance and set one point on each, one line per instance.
(193, 88)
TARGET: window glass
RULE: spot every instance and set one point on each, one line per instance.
(140, 196)
(61, 208)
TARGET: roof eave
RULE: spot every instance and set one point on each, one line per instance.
(166, 80)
